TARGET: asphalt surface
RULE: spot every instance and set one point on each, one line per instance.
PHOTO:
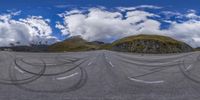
(99, 75)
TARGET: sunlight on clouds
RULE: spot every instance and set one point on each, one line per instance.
(100, 24)
(25, 31)
(106, 26)
(138, 7)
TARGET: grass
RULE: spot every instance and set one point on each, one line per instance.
(166, 44)
(158, 38)
(75, 43)
(150, 44)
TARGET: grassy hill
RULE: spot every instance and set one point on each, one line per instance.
(139, 44)
(75, 43)
(150, 44)
(197, 49)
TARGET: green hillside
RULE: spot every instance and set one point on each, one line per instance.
(75, 43)
(150, 44)
(138, 44)
(197, 49)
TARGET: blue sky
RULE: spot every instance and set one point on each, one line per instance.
(111, 3)
(49, 9)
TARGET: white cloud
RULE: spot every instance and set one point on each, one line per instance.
(192, 15)
(71, 12)
(149, 6)
(103, 25)
(187, 31)
(25, 31)
(100, 24)
(138, 7)
(169, 14)
(126, 8)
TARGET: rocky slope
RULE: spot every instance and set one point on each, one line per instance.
(150, 44)
(137, 44)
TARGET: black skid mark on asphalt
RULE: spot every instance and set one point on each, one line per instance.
(81, 82)
(153, 69)
(54, 65)
(189, 75)
(116, 78)
(53, 74)
(21, 81)
(169, 64)
(152, 60)
(148, 73)
(27, 80)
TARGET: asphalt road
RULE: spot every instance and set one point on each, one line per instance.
(99, 75)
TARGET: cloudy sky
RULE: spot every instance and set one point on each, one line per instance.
(24, 22)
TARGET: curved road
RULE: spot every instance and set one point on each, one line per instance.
(99, 75)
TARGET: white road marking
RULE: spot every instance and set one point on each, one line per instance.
(21, 71)
(147, 82)
(189, 67)
(65, 77)
(111, 64)
(89, 63)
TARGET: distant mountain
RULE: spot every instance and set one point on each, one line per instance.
(31, 48)
(150, 44)
(96, 43)
(76, 39)
(75, 43)
(197, 49)
(137, 44)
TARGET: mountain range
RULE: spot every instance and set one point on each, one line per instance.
(138, 44)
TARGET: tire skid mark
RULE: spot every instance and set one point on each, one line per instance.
(21, 83)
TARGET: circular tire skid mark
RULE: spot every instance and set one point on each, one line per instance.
(66, 68)
(151, 72)
(57, 59)
(45, 82)
(9, 70)
(189, 70)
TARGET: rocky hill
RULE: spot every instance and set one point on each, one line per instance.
(138, 44)
(150, 44)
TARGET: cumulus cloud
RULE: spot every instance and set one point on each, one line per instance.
(149, 6)
(104, 25)
(169, 14)
(187, 31)
(71, 12)
(139, 7)
(29, 30)
(192, 14)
